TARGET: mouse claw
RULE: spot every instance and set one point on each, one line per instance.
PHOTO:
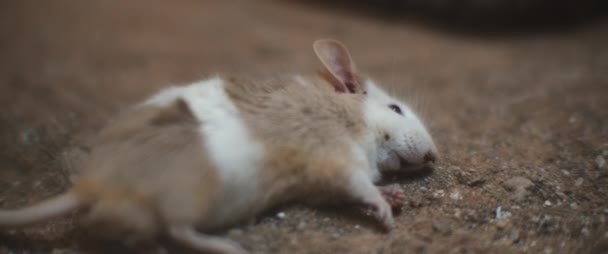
(393, 194)
(382, 212)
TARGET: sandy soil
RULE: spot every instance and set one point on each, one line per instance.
(521, 121)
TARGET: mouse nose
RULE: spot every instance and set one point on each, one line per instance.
(430, 156)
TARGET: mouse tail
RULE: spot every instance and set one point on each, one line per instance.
(43, 211)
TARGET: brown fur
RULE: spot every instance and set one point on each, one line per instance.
(337, 117)
(149, 169)
(301, 157)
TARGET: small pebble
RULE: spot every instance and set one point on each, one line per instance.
(302, 225)
(579, 181)
(518, 182)
(547, 203)
(62, 251)
(500, 214)
(457, 213)
(438, 193)
(519, 186)
(585, 231)
(566, 173)
(442, 226)
(455, 196)
(574, 206)
(600, 162)
(281, 215)
(357, 226)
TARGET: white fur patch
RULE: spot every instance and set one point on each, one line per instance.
(365, 150)
(235, 153)
(362, 188)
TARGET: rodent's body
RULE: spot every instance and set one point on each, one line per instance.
(226, 170)
(217, 152)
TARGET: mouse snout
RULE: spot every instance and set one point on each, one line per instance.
(430, 157)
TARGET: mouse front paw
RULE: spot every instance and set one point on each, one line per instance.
(382, 212)
(393, 194)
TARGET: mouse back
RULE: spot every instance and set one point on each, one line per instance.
(149, 166)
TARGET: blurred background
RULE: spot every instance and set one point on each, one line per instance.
(508, 88)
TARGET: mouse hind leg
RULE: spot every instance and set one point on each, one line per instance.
(188, 237)
(123, 218)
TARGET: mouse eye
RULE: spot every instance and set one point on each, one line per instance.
(395, 108)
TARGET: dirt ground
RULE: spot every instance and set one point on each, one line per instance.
(521, 121)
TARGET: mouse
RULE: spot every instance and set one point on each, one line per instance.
(196, 158)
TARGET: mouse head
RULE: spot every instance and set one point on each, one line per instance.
(401, 140)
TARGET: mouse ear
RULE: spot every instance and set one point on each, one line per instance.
(339, 66)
